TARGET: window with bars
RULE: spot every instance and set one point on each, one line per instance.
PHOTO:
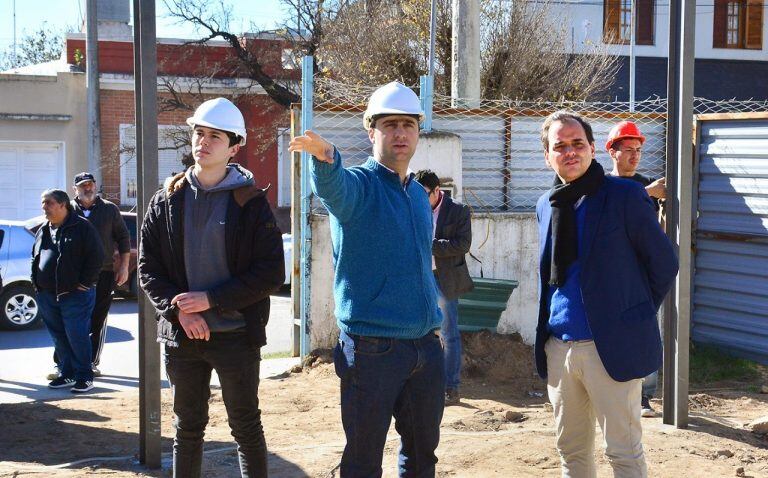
(738, 24)
(617, 21)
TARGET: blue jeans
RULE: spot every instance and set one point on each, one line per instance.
(451, 340)
(381, 378)
(68, 320)
(189, 369)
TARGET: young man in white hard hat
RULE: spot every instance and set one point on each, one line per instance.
(625, 146)
(389, 357)
(210, 255)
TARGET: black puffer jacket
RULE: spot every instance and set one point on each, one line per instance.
(254, 256)
(80, 254)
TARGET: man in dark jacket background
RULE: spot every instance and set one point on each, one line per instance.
(66, 259)
(210, 255)
(452, 237)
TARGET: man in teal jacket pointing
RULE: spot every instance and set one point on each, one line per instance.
(389, 357)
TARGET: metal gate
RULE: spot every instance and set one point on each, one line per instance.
(730, 299)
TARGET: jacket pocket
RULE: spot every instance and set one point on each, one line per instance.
(641, 311)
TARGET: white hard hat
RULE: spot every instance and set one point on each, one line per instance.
(392, 99)
(219, 113)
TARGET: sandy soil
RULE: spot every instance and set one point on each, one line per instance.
(502, 428)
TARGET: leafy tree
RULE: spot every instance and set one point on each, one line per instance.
(42, 45)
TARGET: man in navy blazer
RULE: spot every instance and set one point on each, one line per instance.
(605, 266)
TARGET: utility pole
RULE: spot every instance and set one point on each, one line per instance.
(145, 95)
(92, 88)
(632, 71)
(465, 74)
(677, 309)
(14, 33)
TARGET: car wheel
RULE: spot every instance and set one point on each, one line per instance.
(19, 308)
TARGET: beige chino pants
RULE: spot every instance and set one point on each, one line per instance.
(581, 391)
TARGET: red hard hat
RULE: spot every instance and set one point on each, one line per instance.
(624, 130)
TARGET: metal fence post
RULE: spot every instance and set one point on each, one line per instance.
(426, 94)
(145, 78)
(307, 87)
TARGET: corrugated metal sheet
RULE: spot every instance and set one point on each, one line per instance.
(530, 176)
(730, 299)
(483, 147)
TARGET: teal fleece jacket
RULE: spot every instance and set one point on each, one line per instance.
(381, 233)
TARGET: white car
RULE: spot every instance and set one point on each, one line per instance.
(18, 307)
(287, 254)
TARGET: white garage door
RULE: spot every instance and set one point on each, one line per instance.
(26, 170)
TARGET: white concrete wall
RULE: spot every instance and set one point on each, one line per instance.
(60, 94)
(507, 244)
(441, 152)
(584, 26)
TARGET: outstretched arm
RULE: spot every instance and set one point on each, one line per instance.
(341, 191)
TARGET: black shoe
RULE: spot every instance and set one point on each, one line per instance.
(452, 396)
(647, 410)
(82, 386)
(61, 382)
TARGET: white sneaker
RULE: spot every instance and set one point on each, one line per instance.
(96, 371)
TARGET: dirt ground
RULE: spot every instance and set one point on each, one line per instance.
(502, 428)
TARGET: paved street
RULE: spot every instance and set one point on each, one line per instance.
(27, 357)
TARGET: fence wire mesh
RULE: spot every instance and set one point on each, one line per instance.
(503, 164)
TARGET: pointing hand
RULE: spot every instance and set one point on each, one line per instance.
(313, 144)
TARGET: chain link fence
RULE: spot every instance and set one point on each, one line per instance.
(503, 164)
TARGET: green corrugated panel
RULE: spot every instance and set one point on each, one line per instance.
(482, 308)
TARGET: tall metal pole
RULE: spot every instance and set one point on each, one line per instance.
(632, 71)
(432, 28)
(145, 84)
(679, 208)
(672, 151)
(14, 33)
(92, 88)
(307, 93)
(684, 195)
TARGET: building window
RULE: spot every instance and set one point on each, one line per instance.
(738, 24)
(617, 21)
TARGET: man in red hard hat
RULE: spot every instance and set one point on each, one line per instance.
(625, 143)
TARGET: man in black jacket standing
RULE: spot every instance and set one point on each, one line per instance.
(452, 237)
(66, 259)
(210, 255)
(106, 218)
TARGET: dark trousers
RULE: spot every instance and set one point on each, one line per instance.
(382, 378)
(189, 369)
(104, 287)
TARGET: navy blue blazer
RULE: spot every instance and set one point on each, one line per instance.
(627, 267)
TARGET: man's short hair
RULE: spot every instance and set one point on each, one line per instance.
(428, 179)
(563, 116)
(59, 196)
